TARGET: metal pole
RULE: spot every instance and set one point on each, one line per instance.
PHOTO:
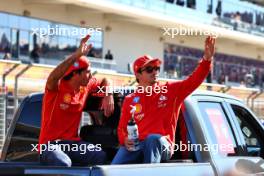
(132, 83)
(225, 89)
(16, 85)
(248, 98)
(3, 116)
(4, 87)
(7, 72)
(94, 73)
(255, 97)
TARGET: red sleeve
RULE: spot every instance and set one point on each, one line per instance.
(93, 84)
(182, 89)
(55, 91)
(97, 89)
(124, 118)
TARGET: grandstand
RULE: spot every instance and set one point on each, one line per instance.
(36, 35)
(187, 59)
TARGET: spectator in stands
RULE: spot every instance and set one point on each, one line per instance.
(191, 4)
(218, 9)
(209, 80)
(35, 53)
(242, 84)
(180, 2)
(109, 55)
(210, 8)
(262, 20)
(258, 19)
(221, 79)
(250, 18)
(249, 80)
(156, 113)
(237, 18)
(7, 54)
(67, 88)
(256, 77)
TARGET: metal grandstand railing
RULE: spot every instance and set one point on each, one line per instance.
(33, 80)
(201, 15)
(2, 116)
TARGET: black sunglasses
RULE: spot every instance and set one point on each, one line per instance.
(150, 69)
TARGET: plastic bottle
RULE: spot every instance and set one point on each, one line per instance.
(132, 131)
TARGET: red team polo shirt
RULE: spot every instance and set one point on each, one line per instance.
(62, 111)
(158, 113)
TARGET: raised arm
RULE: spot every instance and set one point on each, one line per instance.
(187, 86)
(209, 48)
(61, 69)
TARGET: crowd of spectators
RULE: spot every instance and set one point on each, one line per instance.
(247, 20)
(246, 17)
(236, 69)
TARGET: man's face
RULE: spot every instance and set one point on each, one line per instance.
(84, 77)
(149, 74)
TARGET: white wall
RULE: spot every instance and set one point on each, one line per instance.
(128, 41)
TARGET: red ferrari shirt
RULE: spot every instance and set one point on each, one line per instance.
(158, 113)
(62, 111)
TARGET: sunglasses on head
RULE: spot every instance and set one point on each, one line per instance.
(150, 69)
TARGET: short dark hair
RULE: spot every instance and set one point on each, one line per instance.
(69, 76)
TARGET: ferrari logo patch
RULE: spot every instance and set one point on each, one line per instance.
(82, 89)
(67, 98)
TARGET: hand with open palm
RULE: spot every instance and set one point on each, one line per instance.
(209, 48)
(84, 49)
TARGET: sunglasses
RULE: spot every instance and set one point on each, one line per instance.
(150, 69)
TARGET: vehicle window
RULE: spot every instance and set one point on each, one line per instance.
(220, 132)
(249, 130)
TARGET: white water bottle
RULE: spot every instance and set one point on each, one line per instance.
(132, 131)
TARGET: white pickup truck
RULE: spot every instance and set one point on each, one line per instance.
(207, 119)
